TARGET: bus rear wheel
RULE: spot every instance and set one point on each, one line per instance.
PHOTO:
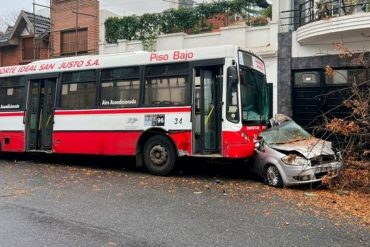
(159, 155)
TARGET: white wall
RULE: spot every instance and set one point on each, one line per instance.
(262, 40)
(279, 14)
(326, 47)
(318, 38)
(271, 75)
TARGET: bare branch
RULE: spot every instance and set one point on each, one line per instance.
(8, 19)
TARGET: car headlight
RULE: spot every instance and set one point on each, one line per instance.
(295, 161)
(338, 156)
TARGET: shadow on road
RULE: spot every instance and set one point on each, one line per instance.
(199, 168)
(187, 167)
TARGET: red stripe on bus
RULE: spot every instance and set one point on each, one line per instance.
(11, 114)
(118, 111)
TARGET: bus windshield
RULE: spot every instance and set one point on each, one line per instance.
(254, 97)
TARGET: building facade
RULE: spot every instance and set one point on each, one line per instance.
(26, 41)
(75, 27)
(312, 35)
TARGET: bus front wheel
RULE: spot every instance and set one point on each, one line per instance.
(159, 155)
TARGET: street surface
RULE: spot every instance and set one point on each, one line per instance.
(88, 201)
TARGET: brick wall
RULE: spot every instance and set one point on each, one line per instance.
(63, 18)
(44, 50)
(12, 55)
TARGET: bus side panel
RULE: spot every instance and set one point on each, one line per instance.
(240, 144)
(235, 146)
(12, 141)
(88, 142)
(12, 136)
(182, 141)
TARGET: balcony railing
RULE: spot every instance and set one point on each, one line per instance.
(313, 10)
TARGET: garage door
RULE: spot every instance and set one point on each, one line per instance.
(316, 95)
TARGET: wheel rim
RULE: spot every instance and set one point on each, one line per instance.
(158, 155)
(272, 176)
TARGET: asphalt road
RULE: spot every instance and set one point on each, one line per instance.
(87, 201)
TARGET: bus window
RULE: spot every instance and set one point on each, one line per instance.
(120, 87)
(12, 94)
(120, 93)
(78, 90)
(232, 99)
(167, 85)
(166, 91)
(253, 96)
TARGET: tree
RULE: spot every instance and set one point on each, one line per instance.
(351, 134)
(8, 19)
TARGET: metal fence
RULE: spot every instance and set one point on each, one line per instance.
(313, 10)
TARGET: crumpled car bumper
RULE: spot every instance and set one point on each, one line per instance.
(301, 175)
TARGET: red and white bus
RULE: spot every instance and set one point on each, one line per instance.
(206, 102)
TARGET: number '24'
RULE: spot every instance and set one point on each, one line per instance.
(178, 120)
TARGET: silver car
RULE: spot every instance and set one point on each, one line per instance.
(289, 155)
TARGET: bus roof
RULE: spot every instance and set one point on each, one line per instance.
(119, 60)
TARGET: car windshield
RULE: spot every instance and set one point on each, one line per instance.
(254, 96)
(285, 132)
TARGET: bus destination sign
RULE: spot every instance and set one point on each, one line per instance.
(247, 59)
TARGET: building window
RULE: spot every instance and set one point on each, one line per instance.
(30, 49)
(78, 90)
(72, 43)
(347, 76)
(307, 78)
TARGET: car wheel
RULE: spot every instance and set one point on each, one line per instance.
(273, 177)
(159, 155)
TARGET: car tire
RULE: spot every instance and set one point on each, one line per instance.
(159, 155)
(273, 177)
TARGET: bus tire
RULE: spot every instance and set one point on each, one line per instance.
(159, 155)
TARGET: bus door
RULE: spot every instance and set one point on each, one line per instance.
(207, 110)
(40, 114)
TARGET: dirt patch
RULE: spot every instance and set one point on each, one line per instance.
(337, 205)
(354, 176)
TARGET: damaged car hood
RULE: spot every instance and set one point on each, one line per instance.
(309, 148)
(287, 135)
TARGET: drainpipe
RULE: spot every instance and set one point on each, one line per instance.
(77, 3)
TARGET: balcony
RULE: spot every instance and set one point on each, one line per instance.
(320, 21)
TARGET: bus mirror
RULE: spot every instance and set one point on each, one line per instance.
(232, 75)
